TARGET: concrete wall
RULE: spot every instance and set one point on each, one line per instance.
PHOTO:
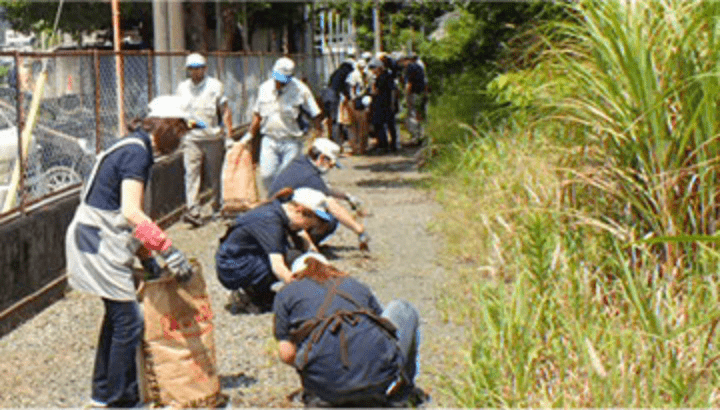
(32, 246)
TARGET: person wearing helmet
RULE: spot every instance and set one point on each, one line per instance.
(307, 171)
(203, 149)
(277, 115)
(109, 230)
(347, 349)
(251, 255)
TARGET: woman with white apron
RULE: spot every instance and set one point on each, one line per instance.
(108, 231)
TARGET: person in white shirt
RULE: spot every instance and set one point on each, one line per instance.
(203, 148)
(277, 119)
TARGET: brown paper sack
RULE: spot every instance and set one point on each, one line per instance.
(238, 179)
(178, 345)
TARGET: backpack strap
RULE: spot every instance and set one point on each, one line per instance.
(316, 327)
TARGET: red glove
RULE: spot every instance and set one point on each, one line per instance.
(152, 236)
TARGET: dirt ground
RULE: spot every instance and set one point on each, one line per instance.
(47, 362)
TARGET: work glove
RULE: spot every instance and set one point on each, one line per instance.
(229, 142)
(364, 240)
(152, 268)
(355, 203)
(152, 236)
(177, 264)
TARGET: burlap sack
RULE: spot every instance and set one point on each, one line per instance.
(178, 345)
(238, 180)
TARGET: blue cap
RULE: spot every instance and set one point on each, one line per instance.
(281, 77)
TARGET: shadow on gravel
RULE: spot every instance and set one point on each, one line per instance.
(232, 381)
(392, 165)
(395, 182)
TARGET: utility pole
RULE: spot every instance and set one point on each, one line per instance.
(376, 26)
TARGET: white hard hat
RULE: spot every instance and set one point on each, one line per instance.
(313, 200)
(301, 262)
(328, 148)
(283, 70)
(195, 60)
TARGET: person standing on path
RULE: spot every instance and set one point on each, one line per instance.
(203, 149)
(381, 107)
(307, 171)
(347, 349)
(416, 98)
(251, 255)
(101, 247)
(281, 101)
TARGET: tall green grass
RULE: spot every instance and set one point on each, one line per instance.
(566, 307)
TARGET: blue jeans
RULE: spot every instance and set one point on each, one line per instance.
(114, 380)
(406, 319)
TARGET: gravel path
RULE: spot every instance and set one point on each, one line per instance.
(47, 361)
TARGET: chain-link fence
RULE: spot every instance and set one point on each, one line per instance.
(80, 113)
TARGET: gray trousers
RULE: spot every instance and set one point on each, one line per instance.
(203, 159)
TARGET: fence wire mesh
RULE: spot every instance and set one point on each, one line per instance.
(80, 112)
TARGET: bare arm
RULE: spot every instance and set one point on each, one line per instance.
(287, 351)
(277, 262)
(132, 193)
(343, 216)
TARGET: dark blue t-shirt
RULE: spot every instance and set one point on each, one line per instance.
(300, 172)
(374, 356)
(131, 161)
(261, 230)
(415, 74)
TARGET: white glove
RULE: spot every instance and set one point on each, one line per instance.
(229, 142)
(246, 138)
(354, 202)
(177, 264)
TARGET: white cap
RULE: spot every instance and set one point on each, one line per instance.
(167, 106)
(195, 60)
(283, 70)
(313, 200)
(301, 262)
(361, 63)
(366, 55)
(172, 106)
(328, 148)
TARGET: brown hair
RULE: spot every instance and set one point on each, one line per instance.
(166, 132)
(318, 271)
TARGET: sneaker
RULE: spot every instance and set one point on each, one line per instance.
(194, 220)
(240, 302)
(94, 404)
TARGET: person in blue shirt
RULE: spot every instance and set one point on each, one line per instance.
(307, 171)
(108, 231)
(251, 255)
(347, 349)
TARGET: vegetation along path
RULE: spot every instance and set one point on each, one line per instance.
(47, 362)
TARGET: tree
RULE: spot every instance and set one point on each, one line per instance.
(76, 18)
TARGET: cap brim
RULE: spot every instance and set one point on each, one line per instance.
(281, 77)
(338, 165)
(195, 66)
(323, 215)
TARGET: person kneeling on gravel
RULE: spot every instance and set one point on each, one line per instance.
(347, 349)
(251, 255)
(307, 171)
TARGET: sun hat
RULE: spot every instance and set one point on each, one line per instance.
(313, 200)
(328, 148)
(283, 70)
(301, 262)
(195, 60)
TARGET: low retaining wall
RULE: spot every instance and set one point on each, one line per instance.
(32, 245)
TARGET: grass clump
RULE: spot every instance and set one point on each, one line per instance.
(550, 200)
